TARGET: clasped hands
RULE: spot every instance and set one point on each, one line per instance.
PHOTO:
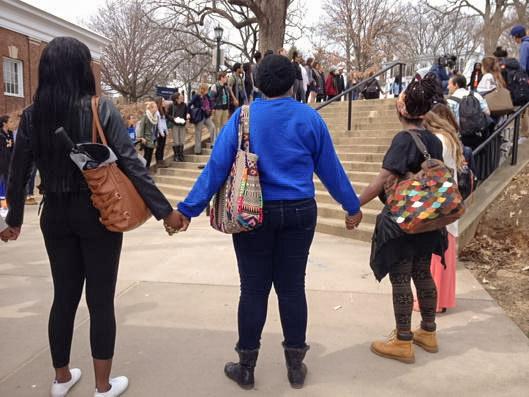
(176, 222)
(10, 234)
(353, 221)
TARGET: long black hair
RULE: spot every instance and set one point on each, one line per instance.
(65, 77)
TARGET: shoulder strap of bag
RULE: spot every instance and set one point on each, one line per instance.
(244, 128)
(420, 145)
(97, 130)
(454, 98)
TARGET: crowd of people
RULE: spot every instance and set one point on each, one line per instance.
(81, 249)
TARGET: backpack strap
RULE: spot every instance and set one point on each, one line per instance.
(420, 144)
(454, 98)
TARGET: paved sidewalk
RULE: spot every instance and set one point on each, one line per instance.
(176, 310)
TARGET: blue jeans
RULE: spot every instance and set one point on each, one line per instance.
(275, 254)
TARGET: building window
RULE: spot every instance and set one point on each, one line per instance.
(13, 77)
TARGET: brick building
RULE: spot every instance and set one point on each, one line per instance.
(24, 32)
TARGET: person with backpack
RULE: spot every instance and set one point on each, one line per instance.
(236, 88)
(470, 110)
(201, 111)
(519, 34)
(372, 88)
(406, 256)
(220, 96)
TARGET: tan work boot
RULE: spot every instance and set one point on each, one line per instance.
(425, 339)
(394, 348)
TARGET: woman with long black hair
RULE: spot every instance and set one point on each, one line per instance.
(79, 247)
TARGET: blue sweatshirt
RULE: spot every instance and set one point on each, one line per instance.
(292, 142)
(524, 54)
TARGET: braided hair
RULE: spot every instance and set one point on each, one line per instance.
(420, 97)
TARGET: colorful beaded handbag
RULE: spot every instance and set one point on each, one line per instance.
(426, 201)
(238, 205)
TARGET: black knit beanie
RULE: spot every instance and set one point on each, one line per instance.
(275, 75)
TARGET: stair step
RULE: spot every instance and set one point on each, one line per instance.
(361, 166)
(323, 197)
(337, 228)
(334, 211)
(361, 148)
(351, 141)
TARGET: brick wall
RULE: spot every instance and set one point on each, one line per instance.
(29, 52)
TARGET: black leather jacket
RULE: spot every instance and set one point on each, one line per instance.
(118, 140)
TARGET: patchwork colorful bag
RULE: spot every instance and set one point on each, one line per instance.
(426, 201)
(238, 205)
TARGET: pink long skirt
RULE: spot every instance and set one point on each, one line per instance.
(445, 279)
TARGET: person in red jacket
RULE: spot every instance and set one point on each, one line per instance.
(330, 84)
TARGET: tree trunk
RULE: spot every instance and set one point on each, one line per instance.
(272, 25)
(491, 37)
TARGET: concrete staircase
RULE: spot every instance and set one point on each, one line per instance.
(361, 151)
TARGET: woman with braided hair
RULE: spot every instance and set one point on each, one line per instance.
(407, 256)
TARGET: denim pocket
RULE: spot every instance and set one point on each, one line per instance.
(306, 216)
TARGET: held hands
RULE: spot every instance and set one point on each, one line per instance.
(176, 222)
(353, 221)
(10, 234)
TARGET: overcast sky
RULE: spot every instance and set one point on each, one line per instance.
(74, 12)
(83, 10)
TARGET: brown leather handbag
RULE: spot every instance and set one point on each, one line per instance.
(120, 205)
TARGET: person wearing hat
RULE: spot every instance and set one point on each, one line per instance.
(519, 34)
(292, 142)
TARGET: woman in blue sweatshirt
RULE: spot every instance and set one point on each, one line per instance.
(292, 142)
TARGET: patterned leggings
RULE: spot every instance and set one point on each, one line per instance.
(400, 275)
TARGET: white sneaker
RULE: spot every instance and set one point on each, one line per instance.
(62, 389)
(117, 387)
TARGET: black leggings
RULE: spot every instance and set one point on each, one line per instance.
(79, 249)
(160, 148)
(400, 275)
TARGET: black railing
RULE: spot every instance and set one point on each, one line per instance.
(363, 83)
(487, 154)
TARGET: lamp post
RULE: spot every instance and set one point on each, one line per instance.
(218, 36)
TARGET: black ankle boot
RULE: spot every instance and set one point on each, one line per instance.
(181, 153)
(242, 372)
(297, 371)
(176, 153)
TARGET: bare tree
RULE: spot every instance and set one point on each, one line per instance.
(138, 56)
(270, 16)
(361, 28)
(496, 16)
(431, 33)
(141, 53)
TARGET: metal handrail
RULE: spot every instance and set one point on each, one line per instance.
(354, 87)
(513, 117)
